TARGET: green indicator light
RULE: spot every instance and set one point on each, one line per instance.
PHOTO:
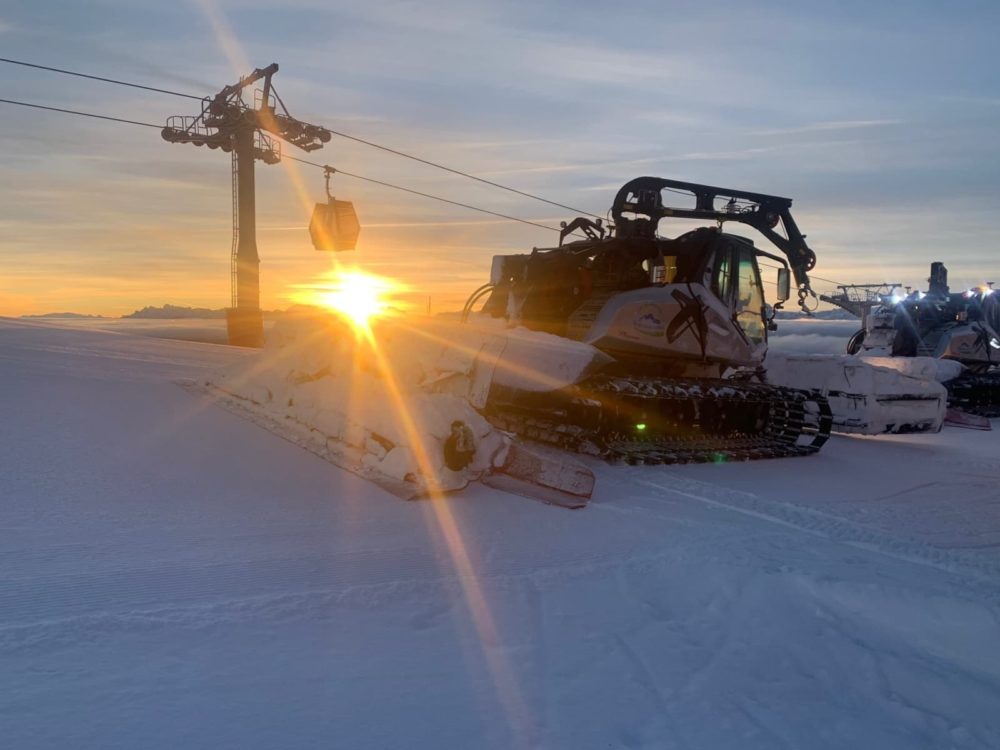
(640, 427)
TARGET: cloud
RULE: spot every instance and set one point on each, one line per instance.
(823, 127)
(808, 336)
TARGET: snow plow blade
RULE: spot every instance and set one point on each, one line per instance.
(957, 418)
(401, 406)
(544, 474)
(867, 396)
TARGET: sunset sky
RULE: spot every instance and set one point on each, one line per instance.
(881, 124)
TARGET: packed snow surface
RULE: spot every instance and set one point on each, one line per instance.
(175, 576)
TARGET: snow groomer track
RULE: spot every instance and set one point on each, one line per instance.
(657, 421)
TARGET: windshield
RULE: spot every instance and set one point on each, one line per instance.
(749, 297)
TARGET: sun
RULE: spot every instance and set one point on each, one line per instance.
(354, 294)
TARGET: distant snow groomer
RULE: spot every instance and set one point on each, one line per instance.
(678, 327)
(960, 326)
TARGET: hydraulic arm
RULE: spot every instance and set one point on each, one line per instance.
(638, 207)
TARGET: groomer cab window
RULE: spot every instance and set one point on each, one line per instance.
(736, 282)
(722, 279)
(750, 296)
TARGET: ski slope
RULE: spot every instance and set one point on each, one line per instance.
(175, 576)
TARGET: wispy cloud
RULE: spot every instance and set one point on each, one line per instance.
(618, 164)
(583, 166)
(824, 127)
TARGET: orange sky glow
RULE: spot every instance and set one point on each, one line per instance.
(105, 218)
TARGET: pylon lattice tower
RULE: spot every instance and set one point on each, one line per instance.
(227, 122)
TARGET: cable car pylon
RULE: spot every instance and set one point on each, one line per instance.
(227, 122)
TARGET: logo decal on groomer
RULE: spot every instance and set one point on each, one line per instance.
(650, 321)
(691, 317)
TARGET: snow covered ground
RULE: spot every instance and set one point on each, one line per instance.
(174, 576)
(205, 330)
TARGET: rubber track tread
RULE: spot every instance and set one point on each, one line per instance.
(975, 394)
(786, 421)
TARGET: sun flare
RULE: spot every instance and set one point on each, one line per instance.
(355, 294)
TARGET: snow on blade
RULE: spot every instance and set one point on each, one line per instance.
(868, 396)
(397, 402)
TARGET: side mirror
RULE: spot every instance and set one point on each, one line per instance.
(769, 313)
(784, 284)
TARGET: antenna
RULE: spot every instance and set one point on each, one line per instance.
(226, 122)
